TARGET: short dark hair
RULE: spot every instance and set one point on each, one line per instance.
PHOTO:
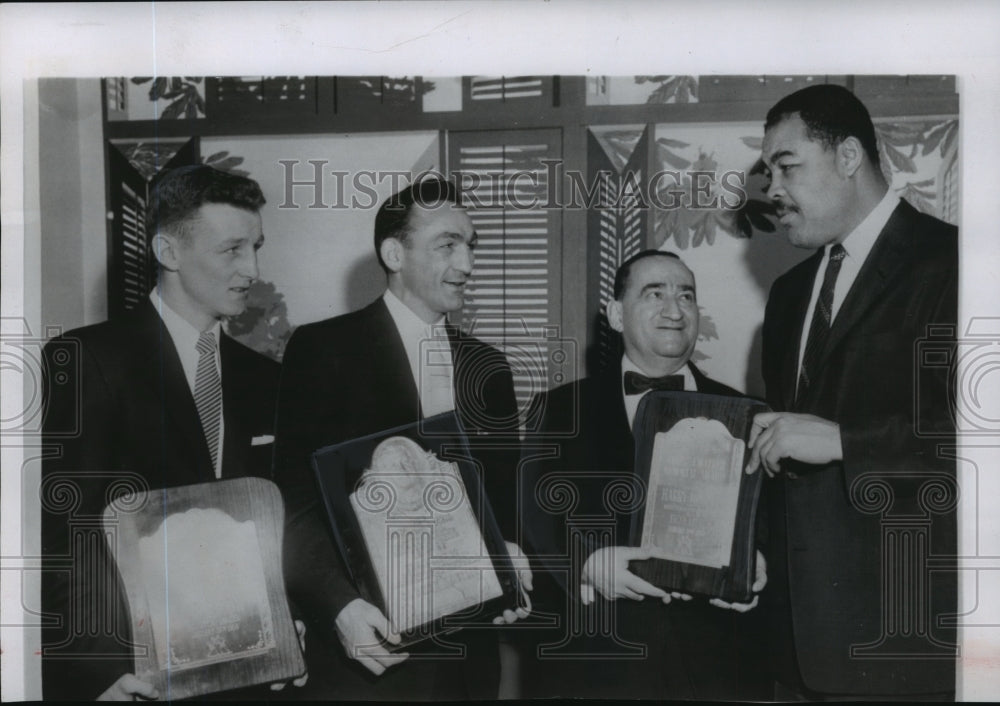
(178, 193)
(831, 114)
(625, 269)
(393, 217)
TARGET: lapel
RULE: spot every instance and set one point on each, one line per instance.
(398, 396)
(616, 444)
(801, 291)
(163, 376)
(887, 258)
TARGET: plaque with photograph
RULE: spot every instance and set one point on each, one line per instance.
(416, 529)
(700, 511)
(201, 568)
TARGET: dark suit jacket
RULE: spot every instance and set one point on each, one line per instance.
(689, 648)
(121, 387)
(830, 539)
(345, 378)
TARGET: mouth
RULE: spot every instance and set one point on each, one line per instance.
(459, 286)
(241, 291)
(786, 214)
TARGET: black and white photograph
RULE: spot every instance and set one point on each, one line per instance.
(239, 235)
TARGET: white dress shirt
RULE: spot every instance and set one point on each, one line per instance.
(185, 340)
(632, 401)
(857, 245)
(429, 354)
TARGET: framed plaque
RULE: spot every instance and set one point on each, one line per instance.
(700, 510)
(201, 568)
(416, 530)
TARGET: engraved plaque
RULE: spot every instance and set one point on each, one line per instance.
(425, 545)
(201, 567)
(694, 487)
(416, 530)
(700, 508)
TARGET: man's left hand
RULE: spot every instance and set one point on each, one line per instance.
(802, 437)
(300, 629)
(760, 580)
(524, 576)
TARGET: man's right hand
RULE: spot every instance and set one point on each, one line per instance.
(606, 571)
(359, 625)
(127, 688)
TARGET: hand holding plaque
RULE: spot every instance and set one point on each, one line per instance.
(698, 520)
(418, 537)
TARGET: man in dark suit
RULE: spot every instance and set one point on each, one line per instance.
(161, 397)
(690, 648)
(853, 445)
(368, 371)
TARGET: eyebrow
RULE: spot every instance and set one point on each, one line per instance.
(778, 155)
(663, 285)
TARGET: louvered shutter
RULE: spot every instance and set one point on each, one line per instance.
(617, 222)
(130, 274)
(513, 299)
(485, 93)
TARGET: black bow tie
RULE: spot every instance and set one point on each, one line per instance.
(636, 384)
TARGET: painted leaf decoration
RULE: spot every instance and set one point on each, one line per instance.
(670, 142)
(754, 143)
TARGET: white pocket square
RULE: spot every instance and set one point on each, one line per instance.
(261, 440)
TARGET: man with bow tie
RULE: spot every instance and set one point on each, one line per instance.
(685, 649)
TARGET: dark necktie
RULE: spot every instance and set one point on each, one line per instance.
(819, 331)
(208, 395)
(636, 384)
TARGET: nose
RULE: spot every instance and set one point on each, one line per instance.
(671, 309)
(463, 259)
(774, 188)
(249, 267)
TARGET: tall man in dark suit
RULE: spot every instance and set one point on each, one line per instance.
(689, 647)
(166, 398)
(853, 450)
(362, 373)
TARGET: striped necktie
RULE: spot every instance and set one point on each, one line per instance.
(819, 331)
(208, 395)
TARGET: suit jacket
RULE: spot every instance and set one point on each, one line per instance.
(119, 415)
(829, 535)
(584, 450)
(345, 378)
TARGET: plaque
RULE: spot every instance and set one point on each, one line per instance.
(416, 530)
(201, 568)
(700, 509)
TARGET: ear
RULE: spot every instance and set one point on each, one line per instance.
(614, 312)
(165, 250)
(391, 250)
(850, 155)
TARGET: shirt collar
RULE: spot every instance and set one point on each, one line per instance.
(184, 335)
(409, 324)
(862, 239)
(684, 371)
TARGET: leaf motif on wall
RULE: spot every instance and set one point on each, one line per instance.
(264, 325)
(676, 89)
(184, 94)
(225, 163)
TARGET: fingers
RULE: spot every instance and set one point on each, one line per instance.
(128, 686)
(586, 593)
(301, 681)
(377, 659)
(526, 578)
(638, 585)
(380, 623)
(300, 629)
(761, 574)
(681, 596)
(760, 422)
(738, 607)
